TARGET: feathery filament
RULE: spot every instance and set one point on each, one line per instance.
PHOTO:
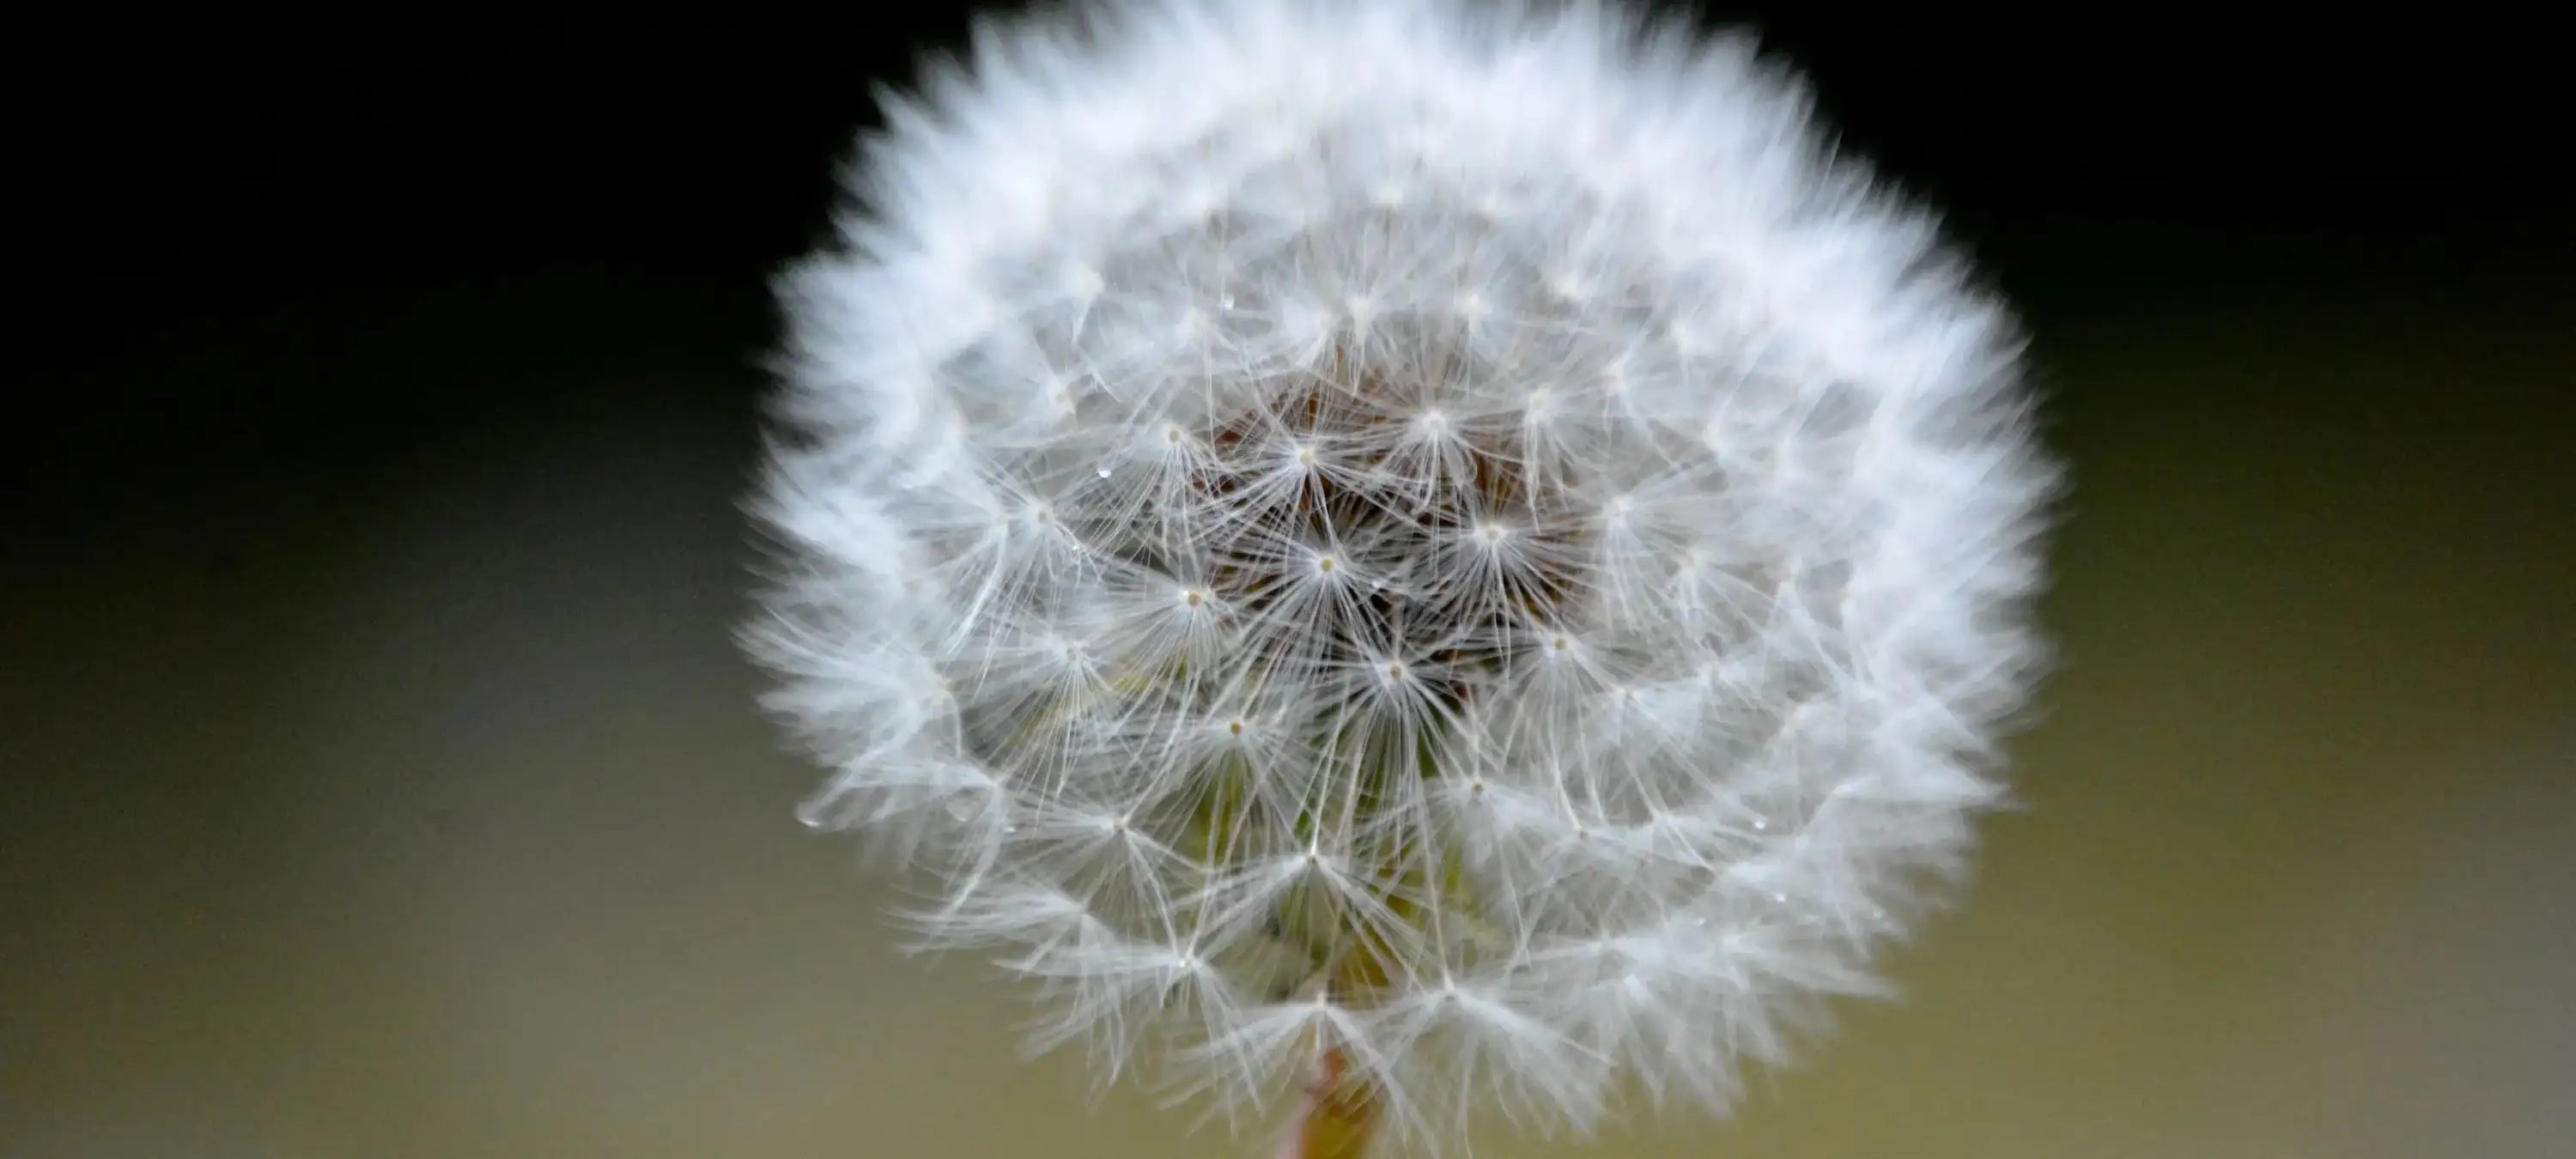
(1450, 544)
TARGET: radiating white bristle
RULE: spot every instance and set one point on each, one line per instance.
(1480, 477)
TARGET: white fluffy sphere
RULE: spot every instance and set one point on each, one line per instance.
(1456, 535)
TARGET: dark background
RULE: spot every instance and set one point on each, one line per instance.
(381, 780)
(253, 202)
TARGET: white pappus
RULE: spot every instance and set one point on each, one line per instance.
(1456, 537)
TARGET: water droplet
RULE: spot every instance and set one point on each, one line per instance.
(1102, 471)
(1225, 301)
(964, 807)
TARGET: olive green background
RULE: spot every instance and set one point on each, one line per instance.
(394, 789)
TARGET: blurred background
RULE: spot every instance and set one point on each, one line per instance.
(381, 779)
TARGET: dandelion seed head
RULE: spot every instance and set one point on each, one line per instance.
(1476, 491)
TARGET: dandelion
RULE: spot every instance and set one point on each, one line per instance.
(1446, 559)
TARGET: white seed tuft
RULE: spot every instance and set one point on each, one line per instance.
(1477, 487)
